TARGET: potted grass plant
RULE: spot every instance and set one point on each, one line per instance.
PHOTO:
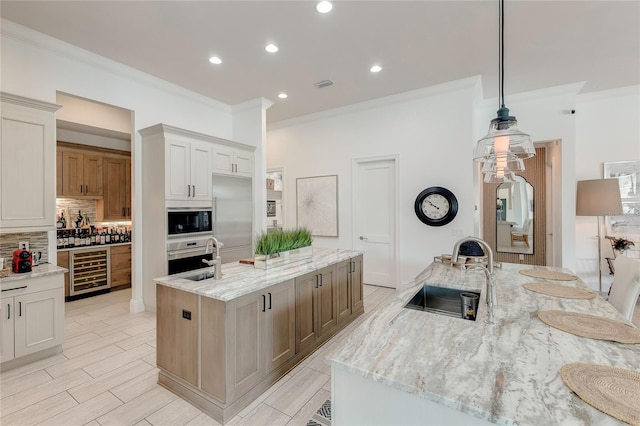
(280, 247)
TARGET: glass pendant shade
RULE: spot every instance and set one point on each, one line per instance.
(504, 137)
(499, 176)
(507, 161)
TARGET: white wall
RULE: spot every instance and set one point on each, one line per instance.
(608, 129)
(37, 66)
(430, 129)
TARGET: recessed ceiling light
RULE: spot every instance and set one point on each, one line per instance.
(215, 60)
(271, 48)
(375, 68)
(282, 96)
(324, 6)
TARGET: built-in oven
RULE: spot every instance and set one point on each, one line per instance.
(189, 222)
(187, 255)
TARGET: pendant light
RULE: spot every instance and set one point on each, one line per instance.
(505, 146)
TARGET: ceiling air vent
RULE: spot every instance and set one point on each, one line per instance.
(323, 83)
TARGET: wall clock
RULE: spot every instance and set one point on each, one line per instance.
(436, 206)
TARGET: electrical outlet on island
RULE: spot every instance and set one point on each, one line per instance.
(521, 257)
(23, 245)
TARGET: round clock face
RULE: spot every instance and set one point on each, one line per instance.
(436, 206)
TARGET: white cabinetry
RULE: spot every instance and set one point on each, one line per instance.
(188, 170)
(27, 165)
(231, 161)
(32, 316)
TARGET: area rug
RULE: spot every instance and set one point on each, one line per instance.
(322, 417)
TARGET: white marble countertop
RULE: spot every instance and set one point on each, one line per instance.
(506, 372)
(37, 271)
(240, 279)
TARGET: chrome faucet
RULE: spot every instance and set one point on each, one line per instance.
(217, 261)
(491, 282)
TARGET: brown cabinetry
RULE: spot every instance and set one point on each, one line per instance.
(116, 202)
(316, 306)
(82, 174)
(120, 265)
(177, 316)
(349, 288)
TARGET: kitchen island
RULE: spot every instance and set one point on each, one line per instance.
(222, 343)
(403, 366)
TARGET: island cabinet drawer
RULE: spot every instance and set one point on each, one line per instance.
(177, 332)
(258, 338)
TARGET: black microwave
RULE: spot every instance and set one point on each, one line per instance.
(187, 222)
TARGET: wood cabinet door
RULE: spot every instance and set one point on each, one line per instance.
(93, 175)
(306, 311)
(357, 293)
(72, 174)
(7, 314)
(127, 187)
(200, 172)
(280, 324)
(120, 264)
(39, 321)
(343, 288)
(177, 332)
(63, 261)
(59, 173)
(113, 202)
(327, 300)
(177, 172)
(246, 316)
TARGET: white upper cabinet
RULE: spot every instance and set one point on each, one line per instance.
(232, 161)
(27, 165)
(188, 170)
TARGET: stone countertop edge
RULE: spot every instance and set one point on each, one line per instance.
(241, 279)
(507, 372)
(37, 271)
(93, 246)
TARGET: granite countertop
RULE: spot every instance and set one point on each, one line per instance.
(37, 271)
(507, 372)
(240, 279)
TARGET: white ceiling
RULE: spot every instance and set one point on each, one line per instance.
(418, 44)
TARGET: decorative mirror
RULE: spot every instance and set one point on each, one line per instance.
(514, 217)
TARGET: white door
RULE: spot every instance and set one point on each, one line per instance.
(374, 219)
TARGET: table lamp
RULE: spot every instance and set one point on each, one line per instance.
(598, 197)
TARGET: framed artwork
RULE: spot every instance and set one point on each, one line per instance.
(317, 204)
(628, 175)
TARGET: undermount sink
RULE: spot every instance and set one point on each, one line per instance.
(201, 276)
(438, 300)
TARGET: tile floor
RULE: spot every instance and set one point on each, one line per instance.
(106, 375)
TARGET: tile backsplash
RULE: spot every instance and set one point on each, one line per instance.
(38, 241)
(71, 206)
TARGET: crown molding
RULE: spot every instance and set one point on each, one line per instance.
(11, 30)
(611, 93)
(258, 103)
(425, 92)
(28, 102)
(162, 129)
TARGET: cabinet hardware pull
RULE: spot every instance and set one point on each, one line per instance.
(188, 190)
(320, 278)
(194, 190)
(19, 309)
(123, 211)
(269, 301)
(264, 303)
(8, 311)
(81, 189)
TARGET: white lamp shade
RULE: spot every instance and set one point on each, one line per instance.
(598, 197)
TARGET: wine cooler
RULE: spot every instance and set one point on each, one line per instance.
(88, 270)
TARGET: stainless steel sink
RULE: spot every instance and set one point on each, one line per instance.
(200, 276)
(438, 300)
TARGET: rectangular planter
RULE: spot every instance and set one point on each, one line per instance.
(275, 260)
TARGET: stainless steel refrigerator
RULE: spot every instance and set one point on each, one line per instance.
(233, 216)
